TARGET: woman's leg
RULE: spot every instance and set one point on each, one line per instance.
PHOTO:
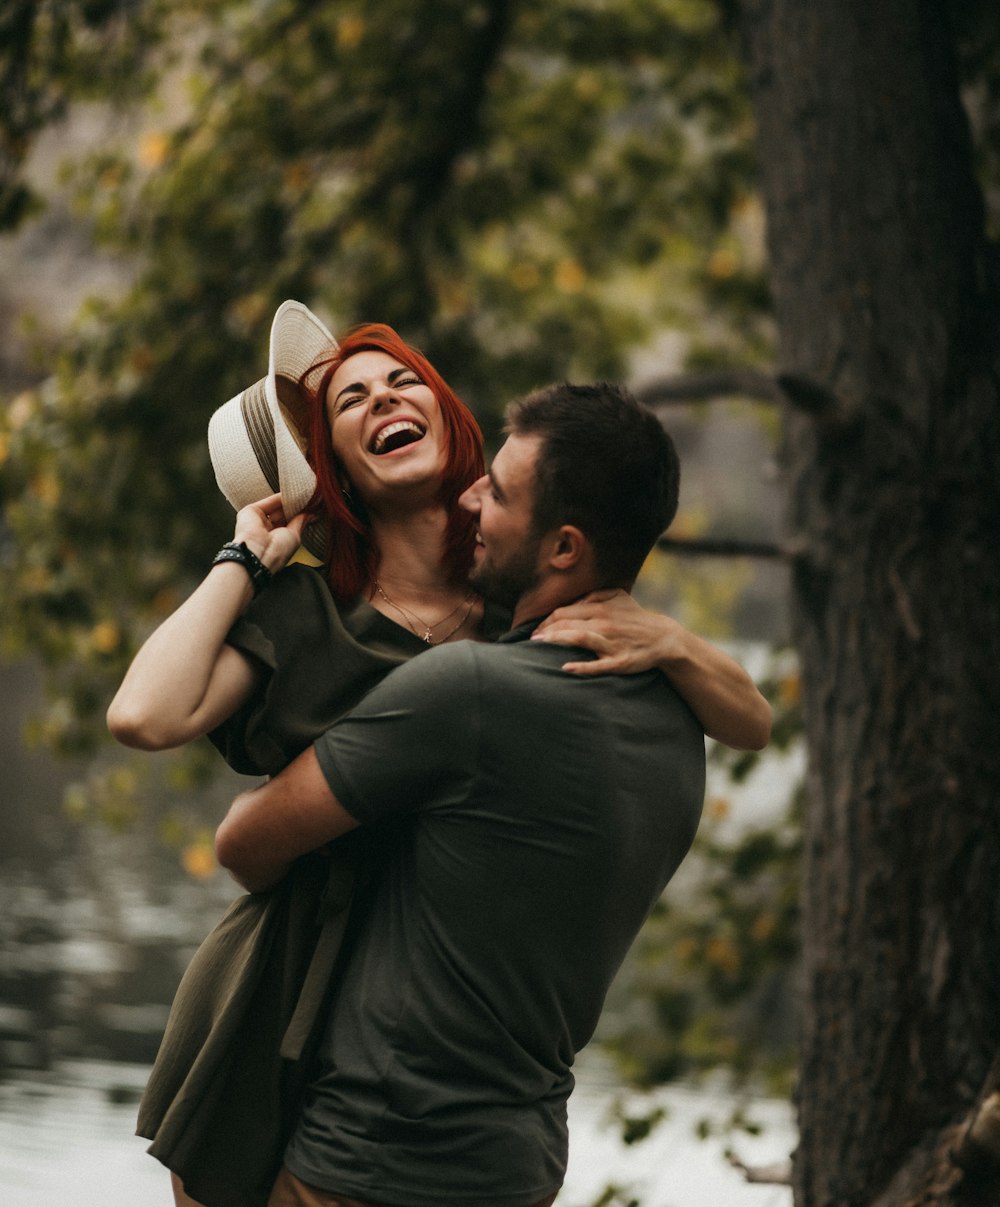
(180, 1198)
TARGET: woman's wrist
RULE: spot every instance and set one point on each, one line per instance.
(241, 553)
(673, 646)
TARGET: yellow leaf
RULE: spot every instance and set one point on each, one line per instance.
(350, 31)
(722, 955)
(570, 277)
(722, 264)
(790, 689)
(717, 808)
(198, 859)
(105, 637)
(153, 149)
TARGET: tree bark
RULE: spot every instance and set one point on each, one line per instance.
(877, 256)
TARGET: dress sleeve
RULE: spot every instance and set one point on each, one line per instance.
(314, 660)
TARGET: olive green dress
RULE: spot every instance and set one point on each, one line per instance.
(236, 1055)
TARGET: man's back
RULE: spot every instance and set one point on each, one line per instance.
(533, 820)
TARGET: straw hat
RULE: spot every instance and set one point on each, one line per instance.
(257, 440)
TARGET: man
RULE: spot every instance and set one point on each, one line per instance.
(529, 820)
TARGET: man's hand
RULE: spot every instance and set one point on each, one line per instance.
(627, 639)
(268, 828)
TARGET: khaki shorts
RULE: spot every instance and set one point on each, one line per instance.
(290, 1192)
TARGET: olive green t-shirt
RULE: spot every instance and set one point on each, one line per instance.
(534, 818)
(316, 659)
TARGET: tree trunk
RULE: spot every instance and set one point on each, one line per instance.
(878, 271)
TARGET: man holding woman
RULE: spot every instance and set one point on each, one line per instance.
(267, 671)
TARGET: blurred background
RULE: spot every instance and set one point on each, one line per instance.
(527, 192)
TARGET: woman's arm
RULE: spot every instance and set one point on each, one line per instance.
(628, 639)
(185, 680)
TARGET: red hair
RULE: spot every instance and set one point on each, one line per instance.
(351, 552)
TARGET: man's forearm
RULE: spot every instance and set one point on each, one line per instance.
(253, 865)
(268, 828)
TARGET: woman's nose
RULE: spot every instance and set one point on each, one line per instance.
(383, 396)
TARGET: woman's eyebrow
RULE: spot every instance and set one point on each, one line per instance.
(355, 387)
(359, 386)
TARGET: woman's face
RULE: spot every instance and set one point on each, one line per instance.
(388, 433)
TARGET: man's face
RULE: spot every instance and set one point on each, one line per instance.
(507, 547)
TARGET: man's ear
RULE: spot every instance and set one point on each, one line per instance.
(568, 548)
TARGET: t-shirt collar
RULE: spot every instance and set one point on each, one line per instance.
(522, 631)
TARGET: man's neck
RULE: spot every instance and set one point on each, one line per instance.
(551, 593)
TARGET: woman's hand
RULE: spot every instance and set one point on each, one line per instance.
(267, 533)
(625, 637)
(628, 639)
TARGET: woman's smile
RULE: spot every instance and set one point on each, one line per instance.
(386, 426)
(394, 435)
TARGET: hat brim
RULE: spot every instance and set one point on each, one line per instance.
(258, 440)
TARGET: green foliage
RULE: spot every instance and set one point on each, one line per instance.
(711, 982)
(51, 53)
(525, 191)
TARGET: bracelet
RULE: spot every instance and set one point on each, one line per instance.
(260, 576)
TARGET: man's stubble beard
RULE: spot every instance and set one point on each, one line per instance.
(504, 584)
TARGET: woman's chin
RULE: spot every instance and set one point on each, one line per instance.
(403, 482)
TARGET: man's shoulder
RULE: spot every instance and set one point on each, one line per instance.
(477, 665)
(448, 665)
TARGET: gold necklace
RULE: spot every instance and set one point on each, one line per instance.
(426, 635)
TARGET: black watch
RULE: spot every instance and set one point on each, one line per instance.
(232, 551)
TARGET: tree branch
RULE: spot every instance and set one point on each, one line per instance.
(803, 394)
(696, 387)
(725, 547)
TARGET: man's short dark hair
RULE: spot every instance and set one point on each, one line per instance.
(606, 466)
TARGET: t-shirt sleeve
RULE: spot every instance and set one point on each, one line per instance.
(412, 743)
(314, 661)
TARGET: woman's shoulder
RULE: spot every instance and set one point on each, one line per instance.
(295, 606)
(299, 577)
(297, 592)
(298, 610)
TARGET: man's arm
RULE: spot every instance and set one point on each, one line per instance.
(406, 714)
(627, 639)
(268, 828)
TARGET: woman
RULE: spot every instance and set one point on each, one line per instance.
(265, 671)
